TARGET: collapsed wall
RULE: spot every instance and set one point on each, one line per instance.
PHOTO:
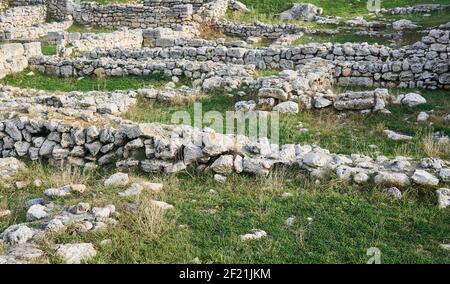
(14, 57)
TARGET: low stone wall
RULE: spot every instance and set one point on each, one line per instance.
(57, 9)
(34, 32)
(424, 64)
(75, 43)
(259, 29)
(196, 4)
(24, 16)
(220, 75)
(423, 8)
(14, 56)
(157, 148)
(132, 16)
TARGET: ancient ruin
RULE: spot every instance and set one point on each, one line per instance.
(260, 65)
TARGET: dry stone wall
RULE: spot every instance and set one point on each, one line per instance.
(57, 9)
(71, 43)
(196, 4)
(24, 16)
(157, 148)
(14, 56)
(424, 64)
(132, 16)
(258, 29)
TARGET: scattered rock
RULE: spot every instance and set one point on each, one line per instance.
(393, 192)
(422, 117)
(302, 11)
(424, 178)
(443, 197)
(444, 174)
(403, 24)
(76, 253)
(287, 107)
(17, 234)
(58, 192)
(410, 99)
(162, 205)
(117, 179)
(80, 188)
(152, 186)
(220, 178)
(397, 136)
(254, 235)
(37, 212)
(9, 167)
(290, 221)
(134, 189)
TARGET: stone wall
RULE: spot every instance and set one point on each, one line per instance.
(34, 32)
(76, 43)
(156, 148)
(132, 16)
(220, 75)
(24, 16)
(57, 9)
(422, 8)
(196, 4)
(259, 29)
(424, 64)
(14, 56)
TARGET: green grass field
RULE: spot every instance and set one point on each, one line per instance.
(205, 228)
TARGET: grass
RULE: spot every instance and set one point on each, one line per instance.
(50, 83)
(340, 38)
(346, 221)
(343, 8)
(48, 49)
(77, 28)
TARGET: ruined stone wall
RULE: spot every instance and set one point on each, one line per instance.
(14, 56)
(81, 43)
(132, 16)
(424, 64)
(196, 4)
(34, 32)
(57, 9)
(24, 16)
(258, 29)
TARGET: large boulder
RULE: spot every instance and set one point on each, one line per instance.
(302, 11)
